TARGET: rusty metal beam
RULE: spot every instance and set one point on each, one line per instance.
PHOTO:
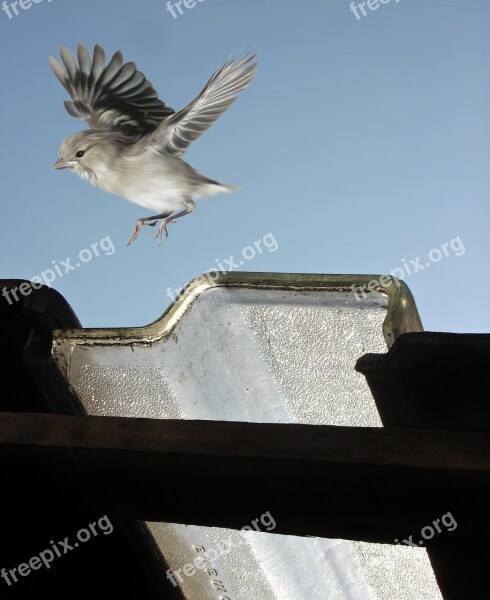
(338, 482)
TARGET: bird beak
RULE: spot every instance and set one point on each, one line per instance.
(63, 164)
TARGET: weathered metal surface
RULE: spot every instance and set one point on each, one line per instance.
(350, 482)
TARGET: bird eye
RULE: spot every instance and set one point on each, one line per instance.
(79, 154)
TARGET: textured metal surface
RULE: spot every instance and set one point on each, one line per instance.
(254, 353)
(251, 355)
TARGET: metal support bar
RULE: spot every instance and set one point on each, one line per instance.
(368, 484)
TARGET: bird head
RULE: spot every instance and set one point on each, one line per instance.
(87, 153)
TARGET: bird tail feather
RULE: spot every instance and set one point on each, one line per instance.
(215, 187)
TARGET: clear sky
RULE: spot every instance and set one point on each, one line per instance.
(362, 145)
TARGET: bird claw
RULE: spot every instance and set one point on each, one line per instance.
(163, 226)
(136, 230)
(141, 222)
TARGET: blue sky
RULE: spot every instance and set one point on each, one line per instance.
(361, 145)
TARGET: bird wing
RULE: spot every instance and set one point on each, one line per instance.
(176, 133)
(113, 96)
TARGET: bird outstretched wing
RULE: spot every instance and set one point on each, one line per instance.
(114, 96)
(177, 132)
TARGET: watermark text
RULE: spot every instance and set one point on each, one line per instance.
(60, 269)
(56, 550)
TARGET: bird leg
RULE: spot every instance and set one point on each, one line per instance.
(145, 221)
(188, 208)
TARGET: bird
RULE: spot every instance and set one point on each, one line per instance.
(135, 142)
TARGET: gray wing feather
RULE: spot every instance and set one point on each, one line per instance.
(177, 132)
(84, 60)
(116, 96)
(70, 66)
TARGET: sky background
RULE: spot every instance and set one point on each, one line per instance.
(361, 145)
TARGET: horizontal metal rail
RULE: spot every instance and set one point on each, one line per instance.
(372, 484)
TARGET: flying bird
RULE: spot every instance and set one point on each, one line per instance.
(135, 142)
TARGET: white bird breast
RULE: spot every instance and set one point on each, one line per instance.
(151, 179)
